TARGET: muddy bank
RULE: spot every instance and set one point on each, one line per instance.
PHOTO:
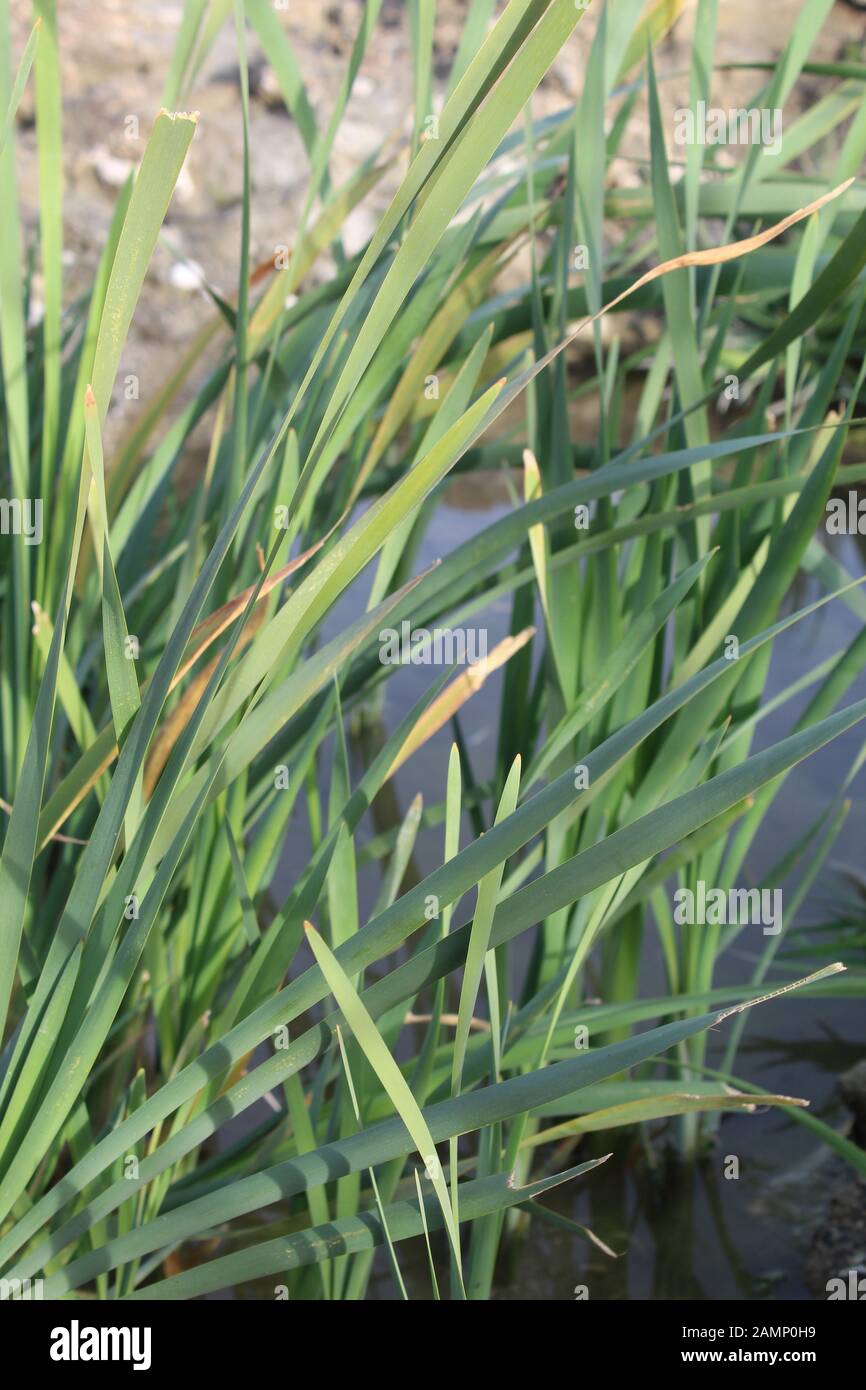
(115, 59)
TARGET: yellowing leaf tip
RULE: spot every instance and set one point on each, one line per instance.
(179, 115)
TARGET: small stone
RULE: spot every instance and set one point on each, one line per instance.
(839, 1244)
(186, 276)
(110, 170)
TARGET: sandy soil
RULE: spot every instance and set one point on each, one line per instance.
(115, 57)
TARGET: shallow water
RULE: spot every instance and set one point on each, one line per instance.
(678, 1232)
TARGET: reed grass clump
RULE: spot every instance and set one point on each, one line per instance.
(181, 665)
